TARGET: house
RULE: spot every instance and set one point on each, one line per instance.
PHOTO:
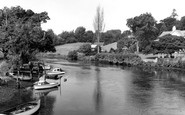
(174, 32)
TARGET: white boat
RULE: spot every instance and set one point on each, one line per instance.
(42, 92)
(46, 67)
(20, 77)
(45, 85)
(24, 109)
(55, 73)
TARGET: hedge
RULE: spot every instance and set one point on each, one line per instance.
(119, 58)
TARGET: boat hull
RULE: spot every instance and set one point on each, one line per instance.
(55, 73)
(46, 86)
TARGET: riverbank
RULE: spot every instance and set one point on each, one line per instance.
(10, 95)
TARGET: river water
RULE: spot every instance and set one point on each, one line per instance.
(115, 90)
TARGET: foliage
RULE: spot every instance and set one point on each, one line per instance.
(99, 24)
(143, 28)
(72, 55)
(88, 36)
(79, 34)
(125, 42)
(99, 20)
(126, 33)
(67, 37)
(169, 22)
(110, 36)
(21, 33)
(181, 24)
(86, 49)
(168, 44)
(120, 58)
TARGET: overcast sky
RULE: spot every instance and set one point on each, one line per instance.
(67, 15)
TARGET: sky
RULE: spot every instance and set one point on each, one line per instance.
(67, 15)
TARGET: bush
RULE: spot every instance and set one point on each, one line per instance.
(72, 55)
(119, 58)
(86, 49)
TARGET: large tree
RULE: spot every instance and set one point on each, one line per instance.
(143, 28)
(79, 34)
(99, 23)
(21, 33)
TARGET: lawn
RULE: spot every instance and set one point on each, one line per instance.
(64, 49)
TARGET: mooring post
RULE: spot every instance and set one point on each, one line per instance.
(18, 83)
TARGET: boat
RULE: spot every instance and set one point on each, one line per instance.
(24, 109)
(45, 91)
(20, 77)
(46, 67)
(55, 73)
(43, 84)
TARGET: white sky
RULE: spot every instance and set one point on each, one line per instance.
(67, 15)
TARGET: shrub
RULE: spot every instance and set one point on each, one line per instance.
(86, 49)
(119, 58)
(72, 55)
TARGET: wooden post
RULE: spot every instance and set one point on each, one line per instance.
(18, 83)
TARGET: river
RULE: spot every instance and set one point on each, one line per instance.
(115, 90)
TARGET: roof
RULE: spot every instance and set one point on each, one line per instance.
(175, 33)
(109, 46)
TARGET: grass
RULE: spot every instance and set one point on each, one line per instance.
(64, 49)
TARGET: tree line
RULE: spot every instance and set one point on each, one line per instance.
(21, 35)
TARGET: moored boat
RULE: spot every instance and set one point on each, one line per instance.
(24, 109)
(55, 73)
(43, 92)
(45, 85)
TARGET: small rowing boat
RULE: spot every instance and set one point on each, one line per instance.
(24, 109)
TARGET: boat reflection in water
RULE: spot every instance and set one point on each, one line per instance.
(44, 92)
(47, 101)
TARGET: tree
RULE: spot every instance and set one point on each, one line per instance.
(21, 33)
(181, 24)
(111, 36)
(143, 28)
(67, 37)
(79, 34)
(125, 42)
(99, 23)
(174, 14)
(88, 37)
(126, 33)
(86, 49)
(169, 22)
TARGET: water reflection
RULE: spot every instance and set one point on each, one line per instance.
(114, 90)
(141, 94)
(97, 92)
(47, 101)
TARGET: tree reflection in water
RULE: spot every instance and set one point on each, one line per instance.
(142, 88)
(97, 92)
